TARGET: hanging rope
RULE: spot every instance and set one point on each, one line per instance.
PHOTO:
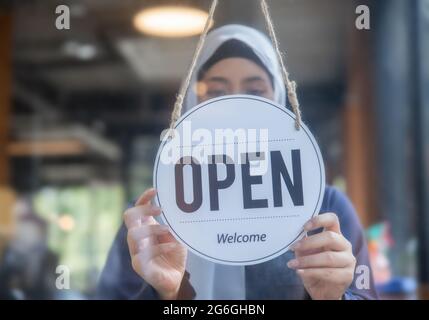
(178, 105)
(290, 85)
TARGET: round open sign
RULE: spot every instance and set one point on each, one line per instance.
(237, 182)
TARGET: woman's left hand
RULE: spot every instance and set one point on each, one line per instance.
(324, 261)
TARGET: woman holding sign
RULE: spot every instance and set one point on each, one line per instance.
(147, 262)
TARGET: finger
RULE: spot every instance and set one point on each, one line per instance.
(147, 230)
(133, 217)
(133, 247)
(139, 244)
(329, 221)
(146, 197)
(136, 246)
(143, 235)
(332, 275)
(142, 245)
(327, 259)
(305, 252)
(168, 237)
(157, 250)
(325, 241)
(147, 242)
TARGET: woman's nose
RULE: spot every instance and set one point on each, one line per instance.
(237, 90)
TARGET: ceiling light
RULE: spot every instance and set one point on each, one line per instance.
(171, 21)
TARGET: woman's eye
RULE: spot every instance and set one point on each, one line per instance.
(216, 93)
(256, 92)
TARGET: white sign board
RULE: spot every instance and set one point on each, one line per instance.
(237, 182)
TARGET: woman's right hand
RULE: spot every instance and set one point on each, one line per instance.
(156, 255)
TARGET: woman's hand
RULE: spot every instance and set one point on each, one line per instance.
(324, 261)
(156, 255)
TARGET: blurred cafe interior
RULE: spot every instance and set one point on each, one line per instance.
(81, 111)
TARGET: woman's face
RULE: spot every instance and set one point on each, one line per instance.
(235, 76)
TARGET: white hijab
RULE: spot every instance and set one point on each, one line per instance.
(257, 41)
(211, 280)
